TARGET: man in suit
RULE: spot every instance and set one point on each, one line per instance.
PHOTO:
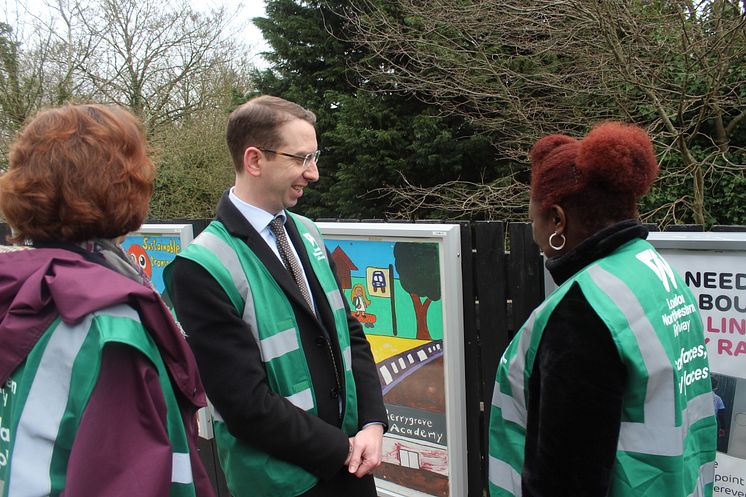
(296, 399)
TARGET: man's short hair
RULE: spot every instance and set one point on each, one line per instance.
(255, 124)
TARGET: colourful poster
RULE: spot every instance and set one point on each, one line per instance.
(394, 290)
(153, 246)
(717, 277)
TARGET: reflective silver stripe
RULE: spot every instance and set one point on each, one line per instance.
(214, 412)
(278, 344)
(659, 396)
(335, 300)
(659, 440)
(510, 409)
(271, 347)
(40, 420)
(302, 400)
(697, 409)
(517, 367)
(658, 435)
(228, 257)
(706, 476)
(347, 358)
(503, 475)
(119, 311)
(707, 473)
(647, 438)
(181, 468)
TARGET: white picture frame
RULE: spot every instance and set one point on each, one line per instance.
(402, 473)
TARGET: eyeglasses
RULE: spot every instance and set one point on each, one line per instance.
(307, 159)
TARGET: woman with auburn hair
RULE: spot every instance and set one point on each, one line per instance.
(605, 390)
(99, 389)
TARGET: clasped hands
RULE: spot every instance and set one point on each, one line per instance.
(365, 450)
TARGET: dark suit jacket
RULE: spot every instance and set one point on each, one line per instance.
(234, 377)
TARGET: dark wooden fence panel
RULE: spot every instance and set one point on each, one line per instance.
(724, 227)
(685, 227)
(490, 277)
(508, 284)
(472, 371)
(525, 274)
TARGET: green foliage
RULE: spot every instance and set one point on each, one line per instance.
(521, 69)
(193, 167)
(371, 141)
(726, 198)
(19, 86)
(168, 63)
(670, 199)
(19, 90)
(380, 142)
(10, 77)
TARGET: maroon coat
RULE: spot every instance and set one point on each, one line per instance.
(121, 447)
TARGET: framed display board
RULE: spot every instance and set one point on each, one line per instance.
(153, 246)
(403, 283)
(713, 265)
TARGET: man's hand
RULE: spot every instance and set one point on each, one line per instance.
(366, 448)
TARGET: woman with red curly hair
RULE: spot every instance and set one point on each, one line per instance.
(99, 389)
(605, 390)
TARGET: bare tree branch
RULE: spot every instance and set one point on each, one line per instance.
(520, 69)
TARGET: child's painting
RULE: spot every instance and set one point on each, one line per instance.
(395, 289)
(153, 246)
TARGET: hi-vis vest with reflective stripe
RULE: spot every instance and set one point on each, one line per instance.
(668, 433)
(264, 306)
(44, 399)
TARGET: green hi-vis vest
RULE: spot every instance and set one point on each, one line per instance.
(264, 306)
(668, 435)
(44, 399)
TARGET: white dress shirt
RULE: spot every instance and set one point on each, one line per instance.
(260, 219)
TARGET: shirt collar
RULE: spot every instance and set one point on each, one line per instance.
(258, 218)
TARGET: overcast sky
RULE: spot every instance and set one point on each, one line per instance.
(247, 10)
(244, 10)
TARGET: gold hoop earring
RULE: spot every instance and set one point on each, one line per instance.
(562, 245)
